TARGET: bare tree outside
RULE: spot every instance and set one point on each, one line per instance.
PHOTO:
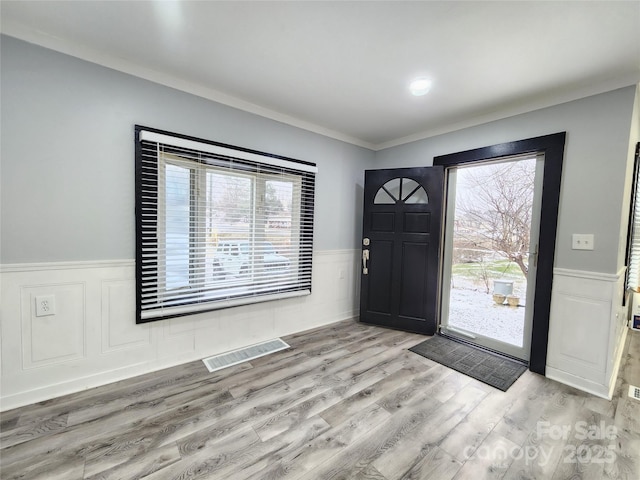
(497, 208)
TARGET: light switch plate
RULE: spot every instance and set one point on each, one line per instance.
(45, 305)
(582, 241)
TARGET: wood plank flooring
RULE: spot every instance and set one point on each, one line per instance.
(347, 401)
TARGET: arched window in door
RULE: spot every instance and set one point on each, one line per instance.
(401, 190)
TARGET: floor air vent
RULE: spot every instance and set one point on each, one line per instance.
(245, 354)
(634, 392)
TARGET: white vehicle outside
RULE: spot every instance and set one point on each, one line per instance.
(233, 259)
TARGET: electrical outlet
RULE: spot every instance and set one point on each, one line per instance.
(582, 241)
(45, 305)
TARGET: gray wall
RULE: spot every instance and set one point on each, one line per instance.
(67, 172)
(594, 195)
(67, 186)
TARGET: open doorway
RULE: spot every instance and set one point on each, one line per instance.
(490, 252)
(552, 146)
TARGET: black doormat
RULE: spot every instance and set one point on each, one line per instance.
(494, 370)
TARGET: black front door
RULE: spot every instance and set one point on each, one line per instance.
(400, 248)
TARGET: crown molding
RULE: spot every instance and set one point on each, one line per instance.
(539, 103)
(42, 39)
(30, 35)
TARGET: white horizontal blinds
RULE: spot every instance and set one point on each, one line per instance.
(633, 280)
(221, 229)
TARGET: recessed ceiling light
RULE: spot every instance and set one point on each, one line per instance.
(420, 86)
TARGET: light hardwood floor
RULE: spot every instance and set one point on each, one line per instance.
(346, 401)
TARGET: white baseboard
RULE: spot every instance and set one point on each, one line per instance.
(93, 339)
(103, 378)
(578, 382)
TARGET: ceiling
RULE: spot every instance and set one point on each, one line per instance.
(342, 68)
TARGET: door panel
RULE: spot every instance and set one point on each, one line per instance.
(401, 243)
(380, 275)
(416, 222)
(382, 222)
(415, 266)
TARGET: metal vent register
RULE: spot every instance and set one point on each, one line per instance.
(634, 392)
(234, 357)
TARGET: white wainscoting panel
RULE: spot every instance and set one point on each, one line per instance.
(118, 308)
(93, 339)
(586, 330)
(67, 326)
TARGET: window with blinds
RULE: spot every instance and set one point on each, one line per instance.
(218, 226)
(633, 239)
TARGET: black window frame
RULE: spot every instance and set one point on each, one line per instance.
(147, 266)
